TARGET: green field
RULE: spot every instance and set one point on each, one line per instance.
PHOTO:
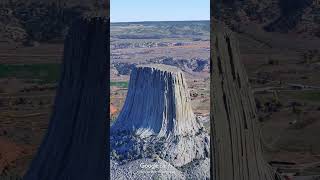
(45, 73)
(309, 96)
(122, 84)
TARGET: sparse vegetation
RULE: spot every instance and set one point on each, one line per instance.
(312, 96)
(42, 21)
(46, 73)
(310, 56)
(120, 84)
(161, 30)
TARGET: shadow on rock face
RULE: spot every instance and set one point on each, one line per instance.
(157, 122)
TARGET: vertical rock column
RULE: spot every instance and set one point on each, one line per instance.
(157, 103)
(235, 143)
(158, 112)
(75, 145)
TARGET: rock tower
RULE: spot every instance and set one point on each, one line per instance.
(237, 151)
(157, 104)
(75, 144)
(157, 119)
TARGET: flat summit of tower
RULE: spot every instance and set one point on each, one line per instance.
(160, 67)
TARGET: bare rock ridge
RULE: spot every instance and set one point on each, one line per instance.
(75, 144)
(237, 149)
(157, 120)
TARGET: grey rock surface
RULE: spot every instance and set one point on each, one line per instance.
(197, 170)
(237, 149)
(157, 103)
(146, 169)
(157, 122)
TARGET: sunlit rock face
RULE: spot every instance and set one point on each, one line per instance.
(157, 121)
(157, 104)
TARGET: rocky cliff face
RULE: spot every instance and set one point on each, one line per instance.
(237, 149)
(157, 121)
(74, 146)
(157, 103)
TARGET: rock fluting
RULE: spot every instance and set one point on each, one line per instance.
(157, 120)
(157, 103)
(237, 149)
(75, 146)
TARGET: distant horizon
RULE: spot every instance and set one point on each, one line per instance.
(160, 21)
(122, 11)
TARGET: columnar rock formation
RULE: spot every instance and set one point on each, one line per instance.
(157, 119)
(237, 149)
(157, 103)
(75, 145)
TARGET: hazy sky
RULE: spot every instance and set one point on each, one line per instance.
(159, 10)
